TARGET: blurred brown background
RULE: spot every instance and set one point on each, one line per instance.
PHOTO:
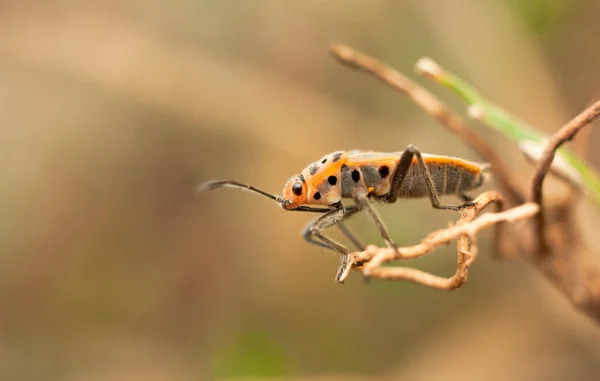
(111, 268)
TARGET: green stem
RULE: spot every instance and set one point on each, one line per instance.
(510, 126)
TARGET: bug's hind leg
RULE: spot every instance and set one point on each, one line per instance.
(420, 170)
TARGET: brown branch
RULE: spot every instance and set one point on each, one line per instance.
(434, 107)
(570, 265)
(555, 247)
(371, 260)
(566, 133)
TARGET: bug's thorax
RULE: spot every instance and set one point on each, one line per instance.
(320, 183)
(323, 179)
(340, 175)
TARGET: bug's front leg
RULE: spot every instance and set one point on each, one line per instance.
(328, 219)
(313, 232)
(421, 170)
(350, 211)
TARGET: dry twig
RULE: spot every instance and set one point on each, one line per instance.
(465, 232)
(566, 133)
(555, 246)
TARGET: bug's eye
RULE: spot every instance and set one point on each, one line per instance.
(297, 189)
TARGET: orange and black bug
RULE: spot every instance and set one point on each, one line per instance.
(365, 177)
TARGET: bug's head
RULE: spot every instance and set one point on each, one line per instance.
(294, 192)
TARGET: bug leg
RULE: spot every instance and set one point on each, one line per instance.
(421, 170)
(350, 211)
(348, 233)
(364, 203)
(330, 218)
(313, 233)
(351, 236)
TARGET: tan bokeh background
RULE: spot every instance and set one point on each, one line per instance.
(111, 268)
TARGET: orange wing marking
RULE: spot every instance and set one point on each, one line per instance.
(471, 167)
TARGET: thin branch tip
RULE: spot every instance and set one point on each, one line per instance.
(427, 66)
(476, 111)
(344, 54)
(205, 186)
(342, 50)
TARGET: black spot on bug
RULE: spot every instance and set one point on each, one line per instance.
(324, 161)
(337, 156)
(356, 175)
(332, 180)
(297, 189)
(317, 196)
(313, 169)
(384, 171)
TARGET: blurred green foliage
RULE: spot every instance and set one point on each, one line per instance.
(574, 168)
(252, 353)
(543, 18)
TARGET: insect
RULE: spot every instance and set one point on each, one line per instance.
(364, 177)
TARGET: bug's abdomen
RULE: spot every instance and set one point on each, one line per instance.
(448, 178)
(371, 178)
